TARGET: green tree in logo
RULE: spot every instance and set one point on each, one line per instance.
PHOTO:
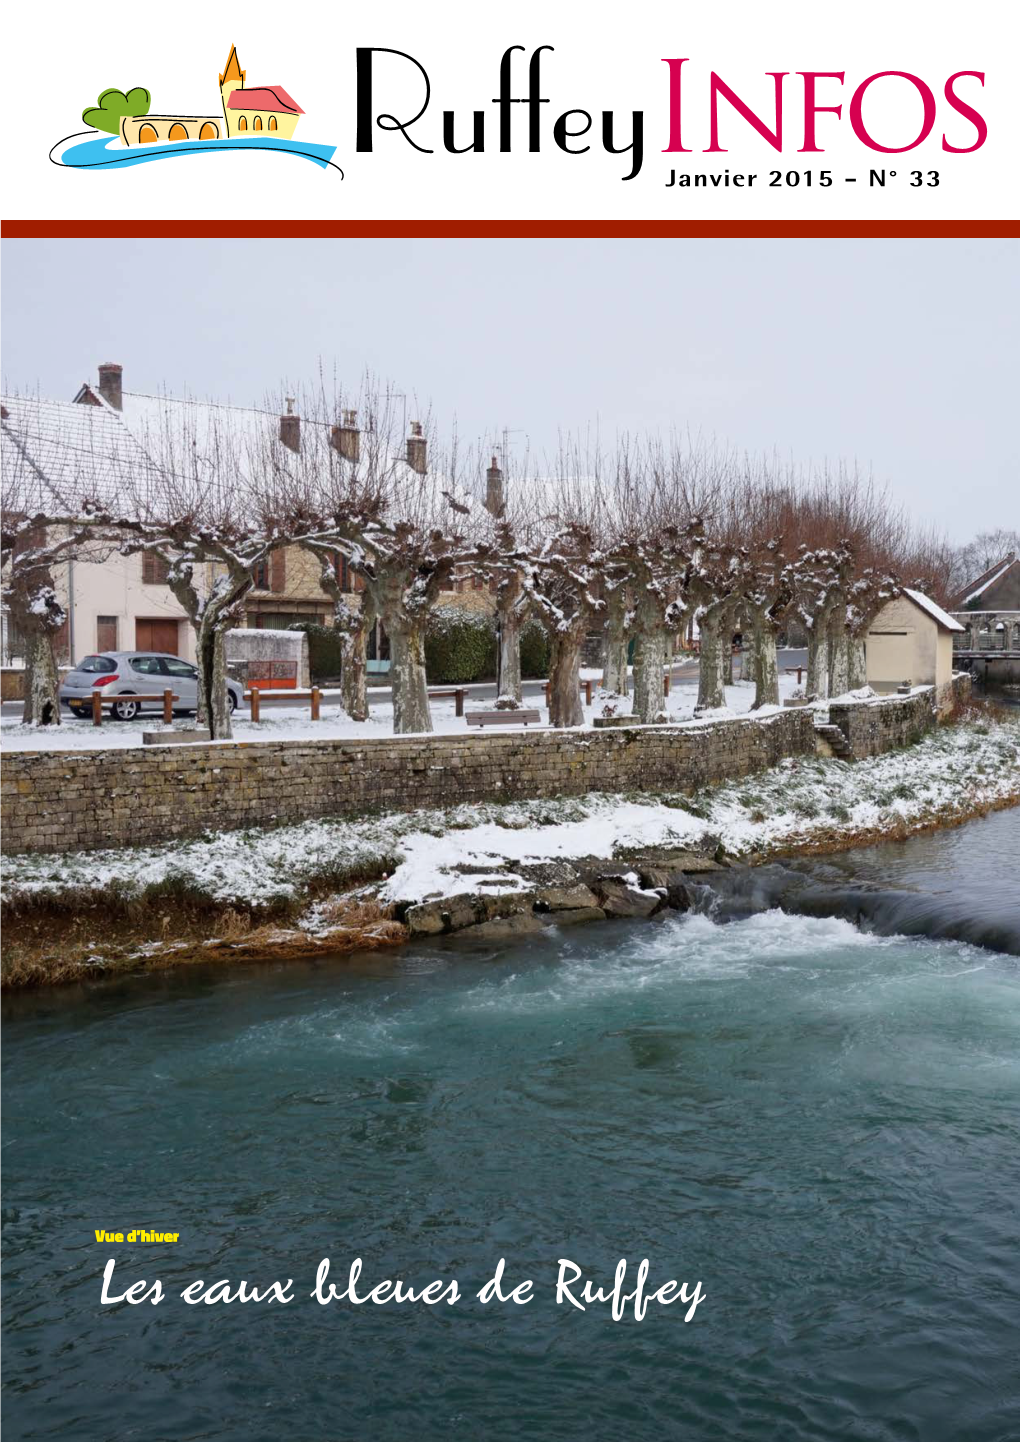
(113, 104)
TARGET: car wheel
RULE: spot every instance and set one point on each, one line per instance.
(125, 710)
(231, 702)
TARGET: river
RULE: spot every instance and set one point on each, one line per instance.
(817, 1122)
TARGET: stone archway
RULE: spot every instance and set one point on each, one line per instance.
(178, 131)
(147, 135)
(209, 131)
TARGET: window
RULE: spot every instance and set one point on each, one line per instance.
(343, 572)
(242, 124)
(178, 131)
(257, 123)
(154, 569)
(272, 122)
(173, 667)
(106, 633)
(147, 665)
(147, 135)
(97, 665)
(260, 574)
(209, 131)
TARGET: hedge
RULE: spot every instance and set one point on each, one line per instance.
(324, 656)
(460, 647)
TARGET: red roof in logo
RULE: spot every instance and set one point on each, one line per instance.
(263, 97)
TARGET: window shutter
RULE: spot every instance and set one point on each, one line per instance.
(278, 570)
(154, 569)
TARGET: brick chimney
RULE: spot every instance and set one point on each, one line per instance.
(416, 449)
(110, 385)
(290, 428)
(346, 438)
(494, 499)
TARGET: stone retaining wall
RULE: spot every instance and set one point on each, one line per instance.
(66, 801)
(873, 727)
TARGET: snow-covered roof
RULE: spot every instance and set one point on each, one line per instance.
(59, 454)
(990, 577)
(936, 612)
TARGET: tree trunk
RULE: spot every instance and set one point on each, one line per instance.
(766, 681)
(213, 697)
(818, 662)
(648, 689)
(42, 684)
(614, 678)
(839, 662)
(565, 707)
(510, 655)
(857, 664)
(407, 676)
(749, 651)
(354, 669)
(711, 695)
(353, 626)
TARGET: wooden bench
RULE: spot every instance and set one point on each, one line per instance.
(458, 692)
(167, 697)
(254, 698)
(501, 718)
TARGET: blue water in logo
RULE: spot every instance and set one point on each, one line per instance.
(107, 151)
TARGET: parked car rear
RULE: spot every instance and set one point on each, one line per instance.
(124, 674)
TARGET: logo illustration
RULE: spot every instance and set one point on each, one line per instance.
(249, 117)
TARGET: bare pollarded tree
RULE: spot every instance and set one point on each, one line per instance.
(398, 512)
(221, 497)
(650, 560)
(63, 473)
(568, 570)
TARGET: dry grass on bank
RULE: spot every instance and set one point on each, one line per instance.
(41, 950)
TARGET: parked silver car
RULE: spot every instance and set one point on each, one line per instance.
(128, 673)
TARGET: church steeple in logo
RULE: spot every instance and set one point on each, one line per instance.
(232, 71)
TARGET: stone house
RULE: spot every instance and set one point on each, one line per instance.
(988, 610)
(997, 589)
(911, 640)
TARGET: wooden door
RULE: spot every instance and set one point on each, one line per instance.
(106, 633)
(153, 635)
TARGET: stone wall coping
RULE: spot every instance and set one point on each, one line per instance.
(534, 736)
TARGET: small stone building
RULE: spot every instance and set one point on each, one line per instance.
(911, 639)
(276, 660)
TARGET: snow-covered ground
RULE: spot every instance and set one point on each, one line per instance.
(295, 723)
(952, 772)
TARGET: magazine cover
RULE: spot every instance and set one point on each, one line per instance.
(509, 736)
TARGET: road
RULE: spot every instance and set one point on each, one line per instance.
(685, 673)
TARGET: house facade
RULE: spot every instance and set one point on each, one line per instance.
(120, 602)
(911, 640)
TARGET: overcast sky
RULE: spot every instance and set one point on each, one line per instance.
(899, 354)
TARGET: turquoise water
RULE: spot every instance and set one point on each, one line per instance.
(818, 1124)
(106, 151)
